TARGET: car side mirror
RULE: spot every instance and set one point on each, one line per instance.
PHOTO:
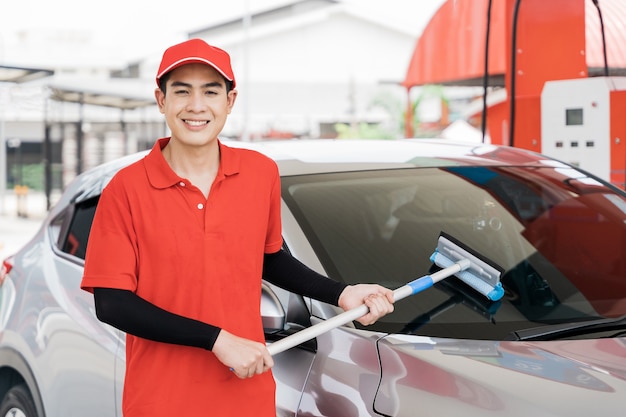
(272, 312)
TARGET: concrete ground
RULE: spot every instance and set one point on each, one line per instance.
(16, 230)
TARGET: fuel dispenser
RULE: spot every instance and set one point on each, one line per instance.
(583, 122)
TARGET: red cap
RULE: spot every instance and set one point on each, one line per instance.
(196, 51)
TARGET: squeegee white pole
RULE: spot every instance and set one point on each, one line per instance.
(409, 289)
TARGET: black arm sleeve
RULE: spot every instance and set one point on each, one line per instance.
(287, 272)
(132, 314)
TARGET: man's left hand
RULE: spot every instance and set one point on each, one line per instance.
(377, 298)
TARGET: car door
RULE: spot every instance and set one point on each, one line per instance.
(344, 375)
(82, 351)
(283, 314)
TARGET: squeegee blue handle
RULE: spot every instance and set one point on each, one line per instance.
(421, 284)
(427, 281)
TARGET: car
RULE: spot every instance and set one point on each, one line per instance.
(372, 211)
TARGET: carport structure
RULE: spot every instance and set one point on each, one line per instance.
(120, 94)
(484, 42)
(19, 75)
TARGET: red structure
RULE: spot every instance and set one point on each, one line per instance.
(530, 42)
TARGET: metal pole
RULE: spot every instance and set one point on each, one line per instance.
(47, 164)
(3, 163)
(47, 153)
(124, 129)
(3, 150)
(79, 136)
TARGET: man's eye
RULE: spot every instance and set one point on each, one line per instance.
(180, 92)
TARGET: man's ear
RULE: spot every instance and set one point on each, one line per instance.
(232, 96)
(160, 98)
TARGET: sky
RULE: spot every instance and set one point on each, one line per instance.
(121, 31)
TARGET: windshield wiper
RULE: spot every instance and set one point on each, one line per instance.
(558, 331)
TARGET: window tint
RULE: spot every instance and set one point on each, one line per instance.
(74, 242)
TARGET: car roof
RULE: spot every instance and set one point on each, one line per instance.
(297, 157)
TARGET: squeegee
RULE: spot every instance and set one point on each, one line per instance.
(476, 271)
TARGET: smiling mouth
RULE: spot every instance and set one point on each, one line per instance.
(196, 122)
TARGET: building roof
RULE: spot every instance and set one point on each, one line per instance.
(290, 14)
(125, 94)
(14, 74)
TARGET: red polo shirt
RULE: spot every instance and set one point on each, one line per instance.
(155, 234)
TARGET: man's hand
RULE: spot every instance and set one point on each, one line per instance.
(244, 357)
(377, 298)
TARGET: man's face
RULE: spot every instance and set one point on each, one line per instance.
(196, 104)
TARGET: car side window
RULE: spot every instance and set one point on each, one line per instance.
(73, 230)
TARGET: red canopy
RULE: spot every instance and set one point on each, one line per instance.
(451, 50)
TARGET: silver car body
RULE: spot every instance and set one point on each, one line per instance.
(73, 365)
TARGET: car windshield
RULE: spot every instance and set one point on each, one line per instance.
(558, 235)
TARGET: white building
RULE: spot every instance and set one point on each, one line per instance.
(309, 64)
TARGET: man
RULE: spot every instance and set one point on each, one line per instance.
(177, 249)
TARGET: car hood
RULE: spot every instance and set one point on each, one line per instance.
(425, 376)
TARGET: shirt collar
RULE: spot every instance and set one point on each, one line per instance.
(161, 175)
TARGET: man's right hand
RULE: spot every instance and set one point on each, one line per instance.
(244, 357)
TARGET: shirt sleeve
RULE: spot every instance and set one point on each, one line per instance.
(274, 239)
(111, 258)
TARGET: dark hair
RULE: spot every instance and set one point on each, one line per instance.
(166, 76)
